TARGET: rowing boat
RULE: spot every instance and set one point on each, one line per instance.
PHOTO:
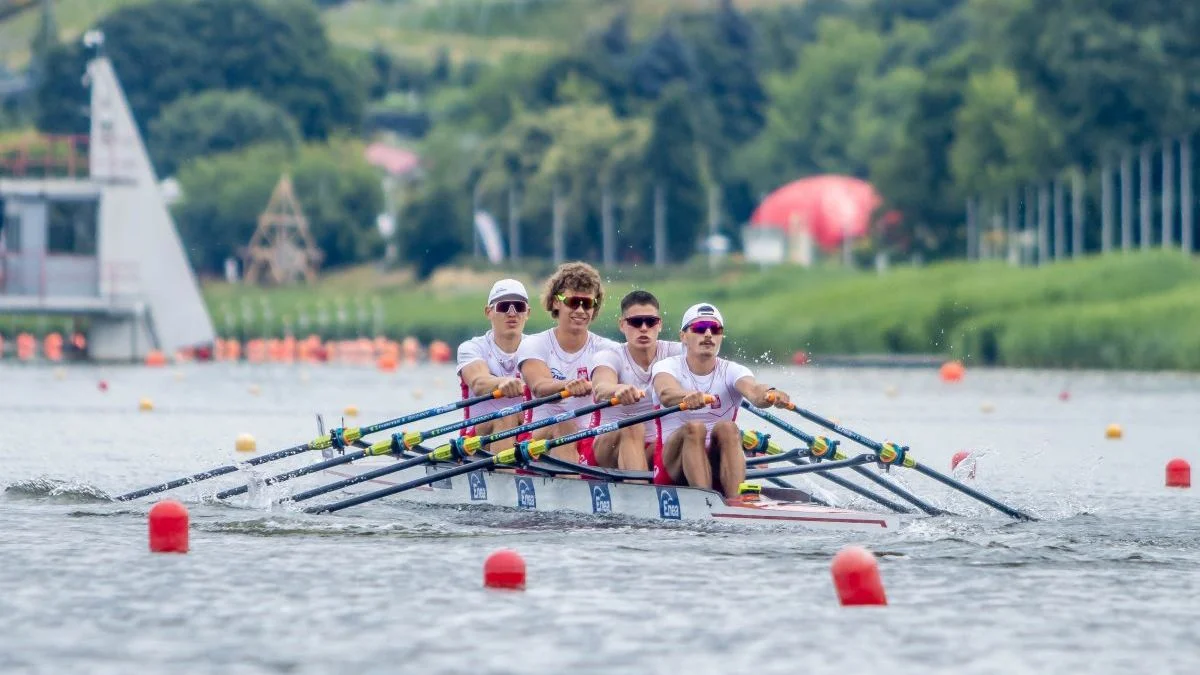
(558, 493)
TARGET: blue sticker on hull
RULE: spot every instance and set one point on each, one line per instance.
(601, 498)
(478, 485)
(526, 497)
(668, 504)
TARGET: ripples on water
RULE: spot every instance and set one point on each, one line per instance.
(1104, 583)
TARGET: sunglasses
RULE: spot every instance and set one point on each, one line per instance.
(577, 301)
(701, 327)
(643, 321)
(518, 306)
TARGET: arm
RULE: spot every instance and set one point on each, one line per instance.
(481, 381)
(671, 393)
(541, 383)
(605, 385)
(761, 395)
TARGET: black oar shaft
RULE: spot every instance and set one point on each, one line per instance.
(295, 450)
(415, 483)
(296, 473)
(360, 478)
(810, 468)
(897, 490)
(972, 492)
(495, 415)
(861, 491)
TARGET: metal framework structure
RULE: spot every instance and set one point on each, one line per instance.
(282, 251)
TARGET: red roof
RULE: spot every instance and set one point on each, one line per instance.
(396, 161)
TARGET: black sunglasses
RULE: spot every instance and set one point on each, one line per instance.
(640, 321)
(518, 306)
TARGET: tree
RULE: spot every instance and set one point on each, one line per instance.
(216, 121)
(164, 50)
(672, 162)
(224, 193)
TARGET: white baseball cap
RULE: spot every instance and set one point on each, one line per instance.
(703, 310)
(506, 288)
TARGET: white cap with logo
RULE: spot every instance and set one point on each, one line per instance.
(506, 288)
(703, 310)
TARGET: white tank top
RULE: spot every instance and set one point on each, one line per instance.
(629, 372)
(563, 366)
(499, 363)
(720, 383)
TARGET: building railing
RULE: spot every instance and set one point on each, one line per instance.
(67, 276)
(37, 156)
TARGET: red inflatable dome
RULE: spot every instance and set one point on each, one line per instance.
(831, 206)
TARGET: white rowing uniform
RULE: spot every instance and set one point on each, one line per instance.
(563, 366)
(720, 383)
(629, 372)
(499, 363)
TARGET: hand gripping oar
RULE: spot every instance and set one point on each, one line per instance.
(890, 454)
(397, 443)
(459, 448)
(337, 438)
(821, 448)
(523, 453)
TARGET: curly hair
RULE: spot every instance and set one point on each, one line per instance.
(578, 276)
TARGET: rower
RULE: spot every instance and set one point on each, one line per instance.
(701, 446)
(624, 374)
(559, 358)
(489, 362)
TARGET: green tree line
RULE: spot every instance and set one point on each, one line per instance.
(930, 100)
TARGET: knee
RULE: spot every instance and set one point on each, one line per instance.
(726, 430)
(694, 431)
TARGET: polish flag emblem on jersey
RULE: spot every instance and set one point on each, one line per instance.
(716, 403)
(581, 373)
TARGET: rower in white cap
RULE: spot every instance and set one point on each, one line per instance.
(489, 362)
(701, 446)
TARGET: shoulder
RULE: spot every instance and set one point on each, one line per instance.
(668, 365)
(607, 357)
(670, 348)
(532, 346)
(734, 371)
(601, 343)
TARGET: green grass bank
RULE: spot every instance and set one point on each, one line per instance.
(1128, 311)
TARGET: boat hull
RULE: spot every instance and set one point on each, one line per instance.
(523, 491)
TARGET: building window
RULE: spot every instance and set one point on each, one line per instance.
(71, 227)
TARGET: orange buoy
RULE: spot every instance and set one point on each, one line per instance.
(169, 527)
(1113, 431)
(439, 352)
(156, 359)
(952, 371)
(504, 569)
(856, 577)
(387, 362)
(1179, 473)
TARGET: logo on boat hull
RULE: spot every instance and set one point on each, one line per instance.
(526, 497)
(668, 504)
(443, 484)
(601, 498)
(478, 485)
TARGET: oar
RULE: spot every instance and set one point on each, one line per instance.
(337, 438)
(399, 442)
(459, 448)
(522, 453)
(825, 448)
(891, 454)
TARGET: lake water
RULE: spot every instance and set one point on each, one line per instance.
(1107, 582)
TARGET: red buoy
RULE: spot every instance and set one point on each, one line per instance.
(856, 577)
(958, 458)
(504, 569)
(800, 358)
(103, 385)
(1179, 473)
(169, 527)
(1064, 395)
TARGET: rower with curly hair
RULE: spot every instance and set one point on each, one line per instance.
(560, 358)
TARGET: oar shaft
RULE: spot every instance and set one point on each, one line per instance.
(897, 490)
(295, 473)
(211, 473)
(360, 478)
(415, 483)
(970, 491)
(487, 417)
(810, 468)
(432, 412)
(862, 492)
(295, 450)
